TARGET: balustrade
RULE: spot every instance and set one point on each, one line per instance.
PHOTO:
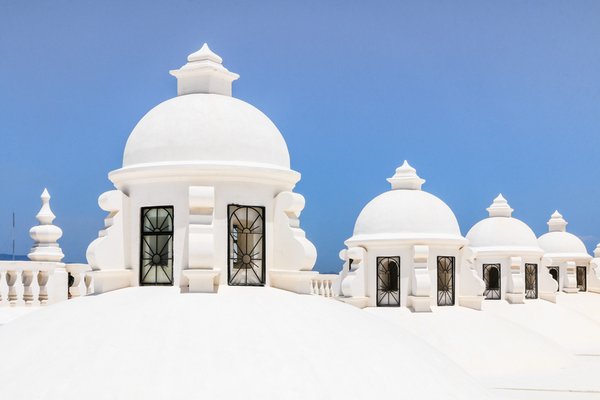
(323, 285)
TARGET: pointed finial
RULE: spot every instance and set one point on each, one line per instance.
(500, 207)
(406, 178)
(45, 235)
(204, 73)
(557, 223)
(45, 216)
(205, 53)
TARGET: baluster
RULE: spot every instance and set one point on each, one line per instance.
(75, 290)
(88, 283)
(42, 279)
(321, 288)
(11, 279)
(27, 279)
(329, 294)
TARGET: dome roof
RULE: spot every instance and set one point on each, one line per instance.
(501, 230)
(560, 242)
(155, 343)
(406, 212)
(204, 127)
(204, 124)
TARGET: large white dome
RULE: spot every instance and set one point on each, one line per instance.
(209, 128)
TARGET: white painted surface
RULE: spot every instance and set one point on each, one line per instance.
(256, 343)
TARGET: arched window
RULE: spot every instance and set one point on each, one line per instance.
(445, 281)
(492, 279)
(388, 281)
(156, 246)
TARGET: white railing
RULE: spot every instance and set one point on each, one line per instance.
(30, 283)
(324, 285)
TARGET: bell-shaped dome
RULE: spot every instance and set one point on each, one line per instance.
(205, 124)
(406, 212)
(559, 242)
(501, 231)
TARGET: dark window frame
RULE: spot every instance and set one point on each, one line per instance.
(492, 293)
(383, 292)
(144, 234)
(449, 292)
(531, 270)
(233, 258)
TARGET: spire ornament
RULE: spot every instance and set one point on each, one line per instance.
(204, 73)
(557, 223)
(45, 235)
(500, 208)
(406, 178)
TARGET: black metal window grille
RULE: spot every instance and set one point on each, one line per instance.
(156, 246)
(531, 284)
(246, 245)
(445, 281)
(582, 278)
(492, 279)
(555, 272)
(388, 281)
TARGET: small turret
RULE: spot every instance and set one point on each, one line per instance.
(45, 235)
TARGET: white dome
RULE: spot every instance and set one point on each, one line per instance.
(502, 232)
(251, 343)
(562, 243)
(209, 128)
(406, 214)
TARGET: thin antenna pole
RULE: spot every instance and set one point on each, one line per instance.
(13, 237)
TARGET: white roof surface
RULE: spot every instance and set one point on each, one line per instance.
(242, 343)
(155, 343)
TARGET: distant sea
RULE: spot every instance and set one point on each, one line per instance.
(9, 257)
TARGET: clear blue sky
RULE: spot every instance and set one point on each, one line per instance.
(481, 97)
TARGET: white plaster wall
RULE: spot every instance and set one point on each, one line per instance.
(176, 194)
(505, 268)
(406, 254)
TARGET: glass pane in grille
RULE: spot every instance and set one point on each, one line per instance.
(388, 281)
(445, 281)
(246, 245)
(156, 247)
(492, 280)
(531, 287)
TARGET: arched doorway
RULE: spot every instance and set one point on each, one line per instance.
(492, 280)
(246, 245)
(388, 281)
(156, 246)
(531, 285)
(445, 281)
(582, 278)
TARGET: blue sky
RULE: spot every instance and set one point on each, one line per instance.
(480, 97)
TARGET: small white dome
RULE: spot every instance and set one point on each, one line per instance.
(407, 213)
(203, 127)
(559, 241)
(562, 243)
(501, 230)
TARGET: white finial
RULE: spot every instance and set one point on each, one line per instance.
(45, 235)
(557, 223)
(204, 73)
(500, 207)
(406, 178)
